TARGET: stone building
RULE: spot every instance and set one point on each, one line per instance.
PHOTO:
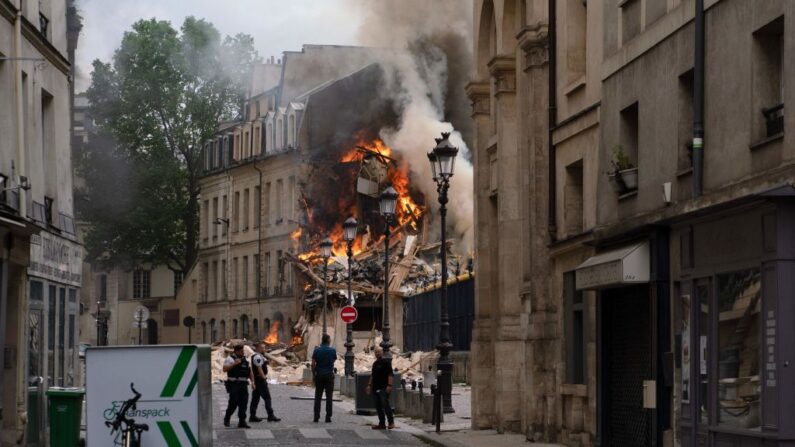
(649, 306)
(40, 260)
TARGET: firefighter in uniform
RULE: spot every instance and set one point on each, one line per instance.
(259, 370)
(238, 373)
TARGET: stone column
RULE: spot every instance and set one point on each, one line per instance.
(541, 342)
(508, 348)
(482, 352)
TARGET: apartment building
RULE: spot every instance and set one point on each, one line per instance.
(40, 266)
(649, 306)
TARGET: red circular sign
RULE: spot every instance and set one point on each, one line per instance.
(349, 314)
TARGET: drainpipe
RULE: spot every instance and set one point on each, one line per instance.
(698, 101)
(553, 109)
(259, 243)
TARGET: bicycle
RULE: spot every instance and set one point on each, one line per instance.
(131, 432)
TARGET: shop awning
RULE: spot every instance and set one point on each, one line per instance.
(623, 266)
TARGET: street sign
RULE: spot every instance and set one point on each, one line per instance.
(349, 314)
(141, 313)
(176, 403)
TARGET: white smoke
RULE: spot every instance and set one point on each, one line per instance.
(420, 84)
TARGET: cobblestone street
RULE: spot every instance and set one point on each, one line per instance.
(296, 426)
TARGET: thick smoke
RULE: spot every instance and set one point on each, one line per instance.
(428, 79)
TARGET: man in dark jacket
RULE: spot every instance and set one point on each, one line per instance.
(238, 373)
(380, 386)
(323, 359)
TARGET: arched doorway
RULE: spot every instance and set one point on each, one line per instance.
(151, 332)
(213, 331)
(223, 330)
(255, 330)
(235, 333)
(204, 332)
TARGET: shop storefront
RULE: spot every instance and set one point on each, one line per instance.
(54, 278)
(634, 378)
(734, 280)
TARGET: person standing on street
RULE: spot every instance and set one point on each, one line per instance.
(259, 384)
(238, 373)
(380, 386)
(323, 359)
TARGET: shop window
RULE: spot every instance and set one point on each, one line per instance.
(768, 80)
(141, 284)
(575, 330)
(703, 306)
(739, 390)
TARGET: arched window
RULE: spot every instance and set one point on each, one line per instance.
(223, 330)
(244, 326)
(204, 332)
(255, 330)
(266, 326)
(234, 328)
(213, 331)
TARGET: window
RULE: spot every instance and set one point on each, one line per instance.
(291, 199)
(72, 295)
(629, 133)
(215, 219)
(206, 279)
(685, 127)
(575, 330)
(44, 25)
(246, 208)
(171, 317)
(267, 204)
(257, 276)
(255, 328)
(244, 328)
(234, 328)
(768, 80)
(237, 211)
(234, 279)
(576, 29)
(213, 331)
(630, 19)
(214, 283)
(224, 210)
(103, 288)
(256, 149)
(738, 319)
(48, 210)
(573, 199)
(244, 268)
(204, 332)
(257, 206)
(224, 285)
(279, 198)
(280, 270)
(207, 222)
(223, 330)
(141, 283)
(67, 224)
(179, 275)
(267, 284)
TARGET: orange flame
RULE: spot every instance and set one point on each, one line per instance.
(273, 335)
(297, 340)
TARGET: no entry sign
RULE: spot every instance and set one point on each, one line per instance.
(349, 314)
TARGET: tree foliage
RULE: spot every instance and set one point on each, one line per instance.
(160, 98)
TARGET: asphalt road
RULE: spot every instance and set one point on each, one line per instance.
(296, 426)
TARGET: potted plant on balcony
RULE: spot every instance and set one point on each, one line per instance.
(624, 176)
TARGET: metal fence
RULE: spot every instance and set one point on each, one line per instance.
(421, 317)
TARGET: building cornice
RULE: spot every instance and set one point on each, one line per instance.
(503, 70)
(478, 93)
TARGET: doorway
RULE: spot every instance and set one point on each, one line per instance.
(626, 356)
(151, 332)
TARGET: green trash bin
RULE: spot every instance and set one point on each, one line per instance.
(66, 408)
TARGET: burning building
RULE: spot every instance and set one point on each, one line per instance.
(308, 154)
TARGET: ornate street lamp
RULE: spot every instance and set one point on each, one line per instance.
(442, 160)
(325, 252)
(349, 233)
(387, 204)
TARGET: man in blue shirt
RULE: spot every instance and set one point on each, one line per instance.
(323, 359)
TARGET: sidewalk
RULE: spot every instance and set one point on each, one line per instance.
(456, 429)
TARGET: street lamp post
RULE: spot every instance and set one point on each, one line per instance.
(442, 160)
(325, 251)
(387, 204)
(349, 233)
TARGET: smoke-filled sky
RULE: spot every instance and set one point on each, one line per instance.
(275, 25)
